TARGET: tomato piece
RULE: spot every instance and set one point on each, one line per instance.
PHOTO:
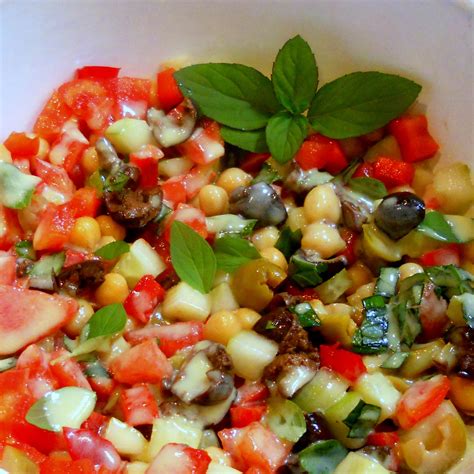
(7, 268)
(169, 94)
(142, 363)
(54, 176)
(190, 216)
(54, 115)
(413, 138)
(43, 441)
(85, 202)
(97, 72)
(447, 255)
(143, 299)
(244, 415)
(85, 444)
(95, 423)
(364, 170)
(10, 230)
(20, 145)
(251, 392)
(138, 405)
(392, 172)
(178, 458)
(174, 190)
(197, 178)
(59, 463)
(433, 318)
(172, 337)
(350, 238)
(73, 257)
(321, 153)
(383, 439)
(146, 160)
(420, 400)
(54, 228)
(68, 372)
(205, 145)
(132, 96)
(347, 364)
(252, 163)
(103, 386)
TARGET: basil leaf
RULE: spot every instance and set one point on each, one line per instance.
(113, 250)
(267, 175)
(451, 280)
(306, 315)
(322, 457)
(250, 140)
(362, 419)
(25, 249)
(285, 134)
(295, 75)
(289, 241)
(109, 320)
(360, 102)
(233, 251)
(192, 257)
(372, 188)
(435, 226)
(232, 94)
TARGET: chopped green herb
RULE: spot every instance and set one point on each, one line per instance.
(435, 226)
(362, 419)
(289, 241)
(25, 249)
(266, 175)
(270, 325)
(322, 457)
(306, 315)
(370, 187)
(116, 182)
(250, 140)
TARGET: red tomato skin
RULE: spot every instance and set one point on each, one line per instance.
(54, 176)
(146, 159)
(420, 400)
(132, 97)
(54, 115)
(7, 268)
(347, 364)
(190, 216)
(244, 415)
(205, 145)
(169, 94)
(85, 202)
(20, 145)
(383, 439)
(364, 170)
(54, 228)
(41, 440)
(447, 255)
(143, 298)
(251, 392)
(392, 172)
(413, 138)
(68, 372)
(174, 190)
(95, 423)
(97, 72)
(10, 230)
(138, 405)
(350, 238)
(179, 459)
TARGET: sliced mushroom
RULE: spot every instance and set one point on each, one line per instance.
(108, 158)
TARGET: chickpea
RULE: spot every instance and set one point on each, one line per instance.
(322, 203)
(322, 238)
(296, 219)
(247, 317)
(222, 326)
(114, 289)
(85, 233)
(213, 200)
(274, 256)
(232, 178)
(84, 312)
(409, 269)
(90, 161)
(265, 238)
(108, 227)
(360, 275)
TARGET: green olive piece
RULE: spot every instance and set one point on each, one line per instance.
(253, 282)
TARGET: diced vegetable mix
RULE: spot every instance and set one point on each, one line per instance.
(213, 271)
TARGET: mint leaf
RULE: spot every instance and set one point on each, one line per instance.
(362, 419)
(289, 241)
(251, 140)
(113, 250)
(295, 75)
(109, 320)
(266, 175)
(306, 315)
(232, 94)
(371, 187)
(233, 251)
(360, 102)
(322, 457)
(435, 226)
(285, 134)
(192, 257)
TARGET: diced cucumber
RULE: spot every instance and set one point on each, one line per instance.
(222, 298)
(175, 167)
(395, 361)
(357, 463)
(128, 135)
(332, 289)
(184, 303)
(386, 283)
(127, 440)
(43, 271)
(68, 406)
(15, 460)
(462, 227)
(324, 390)
(388, 146)
(141, 260)
(230, 224)
(16, 188)
(286, 419)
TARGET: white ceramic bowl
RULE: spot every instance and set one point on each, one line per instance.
(431, 41)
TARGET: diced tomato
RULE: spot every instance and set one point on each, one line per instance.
(146, 159)
(179, 459)
(85, 444)
(251, 392)
(345, 363)
(413, 138)
(433, 318)
(254, 446)
(169, 94)
(197, 178)
(60, 463)
(420, 400)
(43, 441)
(20, 145)
(171, 337)
(7, 268)
(31, 453)
(54, 176)
(321, 153)
(307, 294)
(68, 372)
(85, 202)
(97, 72)
(103, 386)
(95, 423)
(244, 415)
(431, 202)
(190, 216)
(162, 247)
(54, 228)
(10, 230)
(142, 363)
(205, 145)
(73, 257)
(392, 172)
(132, 97)
(174, 190)
(350, 238)
(143, 298)
(252, 163)
(364, 170)
(448, 255)
(138, 405)
(383, 439)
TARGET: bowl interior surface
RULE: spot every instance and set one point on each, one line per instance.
(431, 42)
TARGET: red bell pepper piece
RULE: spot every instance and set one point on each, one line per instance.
(251, 392)
(20, 145)
(68, 372)
(54, 115)
(205, 145)
(347, 364)
(413, 137)
(448, 255)
(392, 172)
(321, 153)
(174, 190)
(138, 405)
(146, 159)
(169, 94)
(42, 440)
(350, 238)
(95, 423)
(383, 439)
(253, 162)
(420, 400)
(97, 72)
(143, 298)
(364, 170)
(85, 202)
(132, 97)
(190, 216)
(244, 415)
(54, 176)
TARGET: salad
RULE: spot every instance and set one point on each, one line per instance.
(214, 271)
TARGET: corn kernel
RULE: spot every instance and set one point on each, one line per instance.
(85, 233)
(274, 256)
(108, 227)
(247, 317)
(222, 326)
(113, 290)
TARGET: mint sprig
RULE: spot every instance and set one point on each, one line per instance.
(259, 114)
